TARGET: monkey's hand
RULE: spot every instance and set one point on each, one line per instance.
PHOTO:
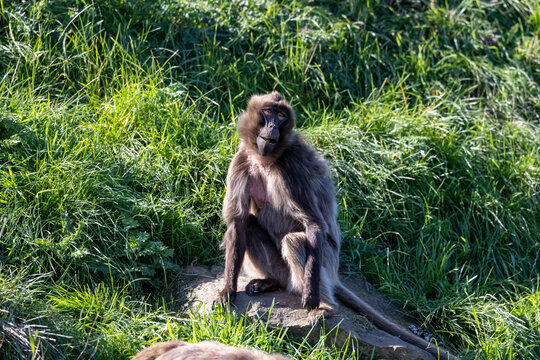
(226, 295)
(310, 297)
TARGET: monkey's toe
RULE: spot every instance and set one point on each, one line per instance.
(255, 285)
(225, 296)
(325, 310)
(250, 289)
(315, 315)
(217, 302)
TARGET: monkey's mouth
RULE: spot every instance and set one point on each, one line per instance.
(268, 140)
(266, 144)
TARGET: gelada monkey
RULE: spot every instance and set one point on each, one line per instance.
(280, 210)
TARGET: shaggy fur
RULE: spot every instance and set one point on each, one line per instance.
(205, 350)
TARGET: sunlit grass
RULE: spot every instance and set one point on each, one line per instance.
(117, 123)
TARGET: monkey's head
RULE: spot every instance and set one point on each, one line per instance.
(266, 124)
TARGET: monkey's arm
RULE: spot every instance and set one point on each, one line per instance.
(235, 248)
(312, 270)
(235, 213)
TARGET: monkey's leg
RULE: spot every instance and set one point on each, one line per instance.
(294, 252)
(263, 259)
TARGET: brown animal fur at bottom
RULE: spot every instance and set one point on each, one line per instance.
(205, 350)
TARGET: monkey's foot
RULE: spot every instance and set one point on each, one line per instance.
(225, 296)
(315, 315)
(261, 285)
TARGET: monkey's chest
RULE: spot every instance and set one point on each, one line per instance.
(258, 189)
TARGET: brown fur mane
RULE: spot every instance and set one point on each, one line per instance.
(249, 123)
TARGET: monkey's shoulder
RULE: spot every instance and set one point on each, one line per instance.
(240, 158)
(302, 159)
(298, 165)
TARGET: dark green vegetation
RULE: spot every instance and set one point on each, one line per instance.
(117, 126)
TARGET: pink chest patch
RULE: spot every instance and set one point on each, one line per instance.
(258, 184)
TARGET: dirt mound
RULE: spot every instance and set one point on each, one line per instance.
(199, 285)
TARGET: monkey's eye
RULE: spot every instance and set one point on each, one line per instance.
(281, 116)
(267, 111)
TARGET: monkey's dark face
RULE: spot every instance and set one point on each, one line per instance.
(267, 124)
(272, 118)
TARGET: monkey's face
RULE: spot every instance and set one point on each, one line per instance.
(266, 125)
(272, 118)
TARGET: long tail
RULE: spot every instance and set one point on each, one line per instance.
(358, 305)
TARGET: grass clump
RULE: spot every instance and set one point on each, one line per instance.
(117, 126)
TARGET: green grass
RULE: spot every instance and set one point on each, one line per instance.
(117, 123)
